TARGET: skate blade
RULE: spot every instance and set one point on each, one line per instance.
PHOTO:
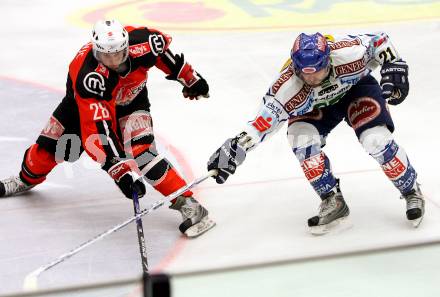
(201, 227)
(416, 222)
(336, 226)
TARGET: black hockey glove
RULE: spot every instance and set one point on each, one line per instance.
(200, 88)
(394, 82)
(194, 85)
(127, 175)
(226, 159)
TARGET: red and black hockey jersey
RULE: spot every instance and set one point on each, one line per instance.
(97, 89)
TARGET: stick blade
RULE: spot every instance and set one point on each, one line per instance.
(30, 283)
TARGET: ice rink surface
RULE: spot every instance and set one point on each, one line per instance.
(261, 212)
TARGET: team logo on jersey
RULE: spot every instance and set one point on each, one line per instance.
(54, 129)
(129, 91)
(362, 111)
(157, 44)
(344, 43)
(299, 99)
(281, 80)
(394, 168)
(138, 50)
(262, 124)
(352, 67)
(314, 166)
(94, 83)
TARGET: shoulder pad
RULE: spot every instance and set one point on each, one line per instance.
(329, 37)
(96, 83)
(286, 64)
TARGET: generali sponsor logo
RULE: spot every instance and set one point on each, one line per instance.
(350, 67)
(362, 111)
(299, 99)
(394, 168)
(281, 80)
(138, 50)
(344, 43)
(314, 166)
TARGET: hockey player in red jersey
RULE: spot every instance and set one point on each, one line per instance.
(327, 80)
(106, 113)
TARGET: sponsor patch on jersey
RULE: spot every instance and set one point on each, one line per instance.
(262, 124)
(128, 91)
(281, 80)
(53, 129)
(362, 111)
(275, 110)
(349, 68)
(394, 168)
(102, 70)
(139, 50)
(136, 125)
(157, 44)
(299, 99)
(379, 40)
(94, 83)
(344, 43)
(314, 166)
(327, 90)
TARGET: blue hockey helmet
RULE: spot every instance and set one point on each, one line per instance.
(310, 53)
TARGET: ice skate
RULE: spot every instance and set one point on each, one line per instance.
(415, 206)
(195, 216)
(12, 186)
(332, 211)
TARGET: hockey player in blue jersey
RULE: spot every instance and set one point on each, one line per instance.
(327, 80)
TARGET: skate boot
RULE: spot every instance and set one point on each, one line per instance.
(415, 205)
(12, 186)
(332, 211)
(195, 216)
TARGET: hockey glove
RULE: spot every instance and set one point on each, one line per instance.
(394, 82)
(194, 85)
(126, 175)
(226, 159)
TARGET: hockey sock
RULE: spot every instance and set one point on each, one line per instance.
(37, 163)
(317, 169)
(395, 164)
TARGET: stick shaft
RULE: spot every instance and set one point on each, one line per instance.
(34, 274)
(140, 233)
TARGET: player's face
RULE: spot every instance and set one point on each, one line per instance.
(315, 79)
(112, 60)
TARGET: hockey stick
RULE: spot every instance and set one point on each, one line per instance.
(31, 280)
(140, 232)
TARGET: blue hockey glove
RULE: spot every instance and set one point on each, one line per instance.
(394, 82)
